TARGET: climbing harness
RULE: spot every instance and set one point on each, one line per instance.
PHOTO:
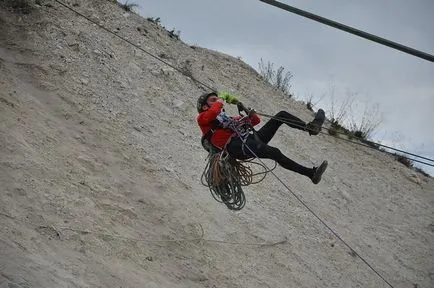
(224, 175)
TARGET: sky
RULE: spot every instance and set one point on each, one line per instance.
(324, 60)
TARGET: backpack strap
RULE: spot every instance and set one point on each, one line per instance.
(206, 139)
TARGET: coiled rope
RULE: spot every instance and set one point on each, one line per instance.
(225, 175)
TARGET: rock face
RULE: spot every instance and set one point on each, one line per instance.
(100, 165)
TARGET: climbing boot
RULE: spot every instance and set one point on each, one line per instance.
(314, 127)
(318, 171)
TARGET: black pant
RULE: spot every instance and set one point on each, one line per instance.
(259, 145)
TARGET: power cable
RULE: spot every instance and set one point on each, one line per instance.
(351, 30)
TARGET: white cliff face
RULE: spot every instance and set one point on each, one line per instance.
(100, 165)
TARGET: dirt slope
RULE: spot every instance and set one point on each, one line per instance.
(98, 141)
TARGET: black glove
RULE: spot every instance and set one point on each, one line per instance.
(248, 111)
(241, 107)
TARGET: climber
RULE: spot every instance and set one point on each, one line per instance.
(212, 119)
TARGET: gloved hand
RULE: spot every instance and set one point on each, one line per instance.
(229, 98)
(241, 107)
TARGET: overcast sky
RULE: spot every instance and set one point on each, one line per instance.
(320, 56)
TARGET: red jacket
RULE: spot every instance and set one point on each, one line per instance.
(221, 135)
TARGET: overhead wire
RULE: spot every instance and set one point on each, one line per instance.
(360, 33)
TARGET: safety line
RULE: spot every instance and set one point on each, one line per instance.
(322, 221)
(194, 79)
(294, 123)
(133, 44)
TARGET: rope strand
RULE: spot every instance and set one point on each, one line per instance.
(294, 123)
(198, 239)
(322, 221)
